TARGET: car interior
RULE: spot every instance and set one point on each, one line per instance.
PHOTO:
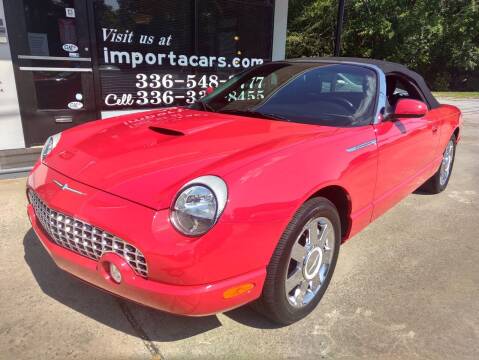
(398, 87)
(336, 98)
(329, 95)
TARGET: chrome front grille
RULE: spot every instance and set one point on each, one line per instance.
(83, 238)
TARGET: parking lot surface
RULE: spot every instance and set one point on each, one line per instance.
(405, 288)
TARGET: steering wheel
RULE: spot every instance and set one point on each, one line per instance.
(345, 103)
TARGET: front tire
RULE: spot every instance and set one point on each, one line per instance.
(302, 264)
(438, 182)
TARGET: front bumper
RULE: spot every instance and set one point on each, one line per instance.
(193, 300)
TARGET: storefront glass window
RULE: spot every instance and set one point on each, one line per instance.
(50, 31)
(47, 83)
(157, 53)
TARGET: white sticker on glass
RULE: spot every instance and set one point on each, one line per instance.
(70, 48)
(75, 105)
(70, 12)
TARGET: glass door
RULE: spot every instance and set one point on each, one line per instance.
(53, 69)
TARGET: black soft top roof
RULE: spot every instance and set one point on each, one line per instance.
(387, 67)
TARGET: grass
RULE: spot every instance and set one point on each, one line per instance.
(457, 94)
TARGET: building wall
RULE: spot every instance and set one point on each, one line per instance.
(11, 132)
(280, 27)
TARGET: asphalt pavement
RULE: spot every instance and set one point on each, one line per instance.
(405, 288)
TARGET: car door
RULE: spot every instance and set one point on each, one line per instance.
(406, 149)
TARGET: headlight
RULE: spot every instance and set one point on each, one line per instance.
(198, 205)
(50, 144)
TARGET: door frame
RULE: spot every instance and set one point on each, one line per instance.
(95, 62)
(14, 13)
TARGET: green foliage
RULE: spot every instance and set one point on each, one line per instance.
(438, 38)
(311, 27)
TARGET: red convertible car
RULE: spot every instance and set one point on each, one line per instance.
(246, 195)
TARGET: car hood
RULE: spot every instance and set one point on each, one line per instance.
(147, 157)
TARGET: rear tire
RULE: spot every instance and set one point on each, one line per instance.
(302, 264)
(438, 182)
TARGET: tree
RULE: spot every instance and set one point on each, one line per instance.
(438, 38)
(311, 27)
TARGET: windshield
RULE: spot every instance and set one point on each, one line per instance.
(311, 93)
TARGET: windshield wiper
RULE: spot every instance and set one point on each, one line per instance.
(257, 114)
(205, 106)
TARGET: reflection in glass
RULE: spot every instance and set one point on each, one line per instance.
(193, 29)
(47, 85)
(49, 28)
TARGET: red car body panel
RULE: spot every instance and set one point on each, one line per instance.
(151, 161)
(186, 300)
(410, 152)
(131, 167)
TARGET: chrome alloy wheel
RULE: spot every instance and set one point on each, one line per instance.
(309, 262)
(446, 163)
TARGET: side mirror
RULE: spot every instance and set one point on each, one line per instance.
(409, 108)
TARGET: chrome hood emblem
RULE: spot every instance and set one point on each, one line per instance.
(65, 187)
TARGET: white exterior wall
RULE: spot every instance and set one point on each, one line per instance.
(11, 131)
(280, 27)
(113, 113)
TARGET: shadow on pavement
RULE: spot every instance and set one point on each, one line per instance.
(247, 316)
(420, 191)
(105, 308)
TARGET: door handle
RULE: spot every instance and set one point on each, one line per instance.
(63, 119)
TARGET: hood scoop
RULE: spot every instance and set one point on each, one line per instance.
(165, 131)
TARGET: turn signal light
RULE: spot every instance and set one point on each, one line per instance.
(238, 290)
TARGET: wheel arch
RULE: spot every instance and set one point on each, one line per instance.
(342, 201)
(456, 133)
